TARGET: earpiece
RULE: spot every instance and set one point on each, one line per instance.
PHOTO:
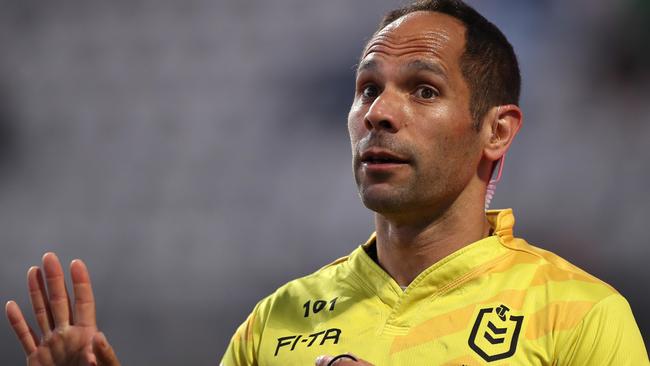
(492, 185)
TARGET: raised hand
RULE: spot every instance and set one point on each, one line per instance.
(69, 334)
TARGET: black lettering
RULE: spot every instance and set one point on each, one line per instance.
(319, 305)
(283, 341)
(332, 303)
(335, 336)
(295, 342)
(306, 306)
(314, 336)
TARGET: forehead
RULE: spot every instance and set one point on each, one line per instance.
(421, 33)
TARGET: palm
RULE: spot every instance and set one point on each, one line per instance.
(75, 342)
(69, 333)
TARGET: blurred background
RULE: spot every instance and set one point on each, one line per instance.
(194, 153)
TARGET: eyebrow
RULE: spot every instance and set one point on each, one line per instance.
(415, 65)
(370, 65)
(422, 65)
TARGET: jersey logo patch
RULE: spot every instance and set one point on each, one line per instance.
(495, 333)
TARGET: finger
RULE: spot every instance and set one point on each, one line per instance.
(38, 297)
(44, 357)
(103, 351)
(25, 335)
(88, 358)
(323, 360)
(84, 301)
(33, 360)
(346, 359)
(58, 295)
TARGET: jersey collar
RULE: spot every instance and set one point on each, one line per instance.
(441, 276)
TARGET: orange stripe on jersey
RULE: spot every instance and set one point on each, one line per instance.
(550, 272)
(465, 361)
(495, 266)
(249, 327)
(434, 328)
(501, 265)
(557, 316)
(452, 322)
(514, 298)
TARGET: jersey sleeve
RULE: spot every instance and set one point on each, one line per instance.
(608, 335)
(242, 350)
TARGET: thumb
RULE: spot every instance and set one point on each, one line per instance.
(323, 360)
(103, 351)
(342, 359)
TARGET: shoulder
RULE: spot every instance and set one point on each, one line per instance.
(528, 267)
(544, 269)
(572, 308)
(312, 286)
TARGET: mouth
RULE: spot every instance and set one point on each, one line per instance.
(377, 158)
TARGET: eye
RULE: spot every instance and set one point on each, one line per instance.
(370, 91)
(426, 92)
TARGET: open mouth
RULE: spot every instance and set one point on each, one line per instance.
(377, 157)
(382, 161)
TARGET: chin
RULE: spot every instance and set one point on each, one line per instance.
(383, 202)
(398, 201)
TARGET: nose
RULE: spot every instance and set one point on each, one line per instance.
(383, 113)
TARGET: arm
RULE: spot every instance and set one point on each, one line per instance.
(69, 335)
(241, 350)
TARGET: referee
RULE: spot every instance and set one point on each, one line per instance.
(442, 280)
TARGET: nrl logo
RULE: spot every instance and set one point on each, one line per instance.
(495, 334)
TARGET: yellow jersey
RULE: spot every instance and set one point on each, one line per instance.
(498, 301)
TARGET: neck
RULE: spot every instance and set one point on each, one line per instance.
(406, 247)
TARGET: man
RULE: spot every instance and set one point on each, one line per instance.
(442, 281)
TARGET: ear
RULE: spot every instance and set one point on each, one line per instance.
(500, 127)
